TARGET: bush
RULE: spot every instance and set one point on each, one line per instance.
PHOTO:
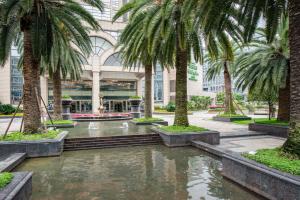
(199, 103)
(7, 109)
(5, 179)
(171, 107)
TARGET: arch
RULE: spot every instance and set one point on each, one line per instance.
(100, 45)
(113, 60)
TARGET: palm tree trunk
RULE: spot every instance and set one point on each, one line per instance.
(292, 145)
(181, 113)
(284, 100)
(148, 91)
(32, 115)
(57, 105)
(229, 108)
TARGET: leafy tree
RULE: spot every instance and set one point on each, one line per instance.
(35, 22)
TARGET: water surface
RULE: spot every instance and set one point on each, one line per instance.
(106, 129)
(133, 173)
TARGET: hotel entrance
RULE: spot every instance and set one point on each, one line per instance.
(116, 106)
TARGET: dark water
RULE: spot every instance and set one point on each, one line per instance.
(107, 128)
(133, 173)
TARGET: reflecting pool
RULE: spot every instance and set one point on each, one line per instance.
(106, 129)
(133, 173)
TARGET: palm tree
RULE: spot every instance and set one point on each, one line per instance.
(265, 66)
(35, 21)
(223, 63)
(65, 62)
(292, 145)
(134, 42)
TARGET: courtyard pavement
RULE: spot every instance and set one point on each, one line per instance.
(236, 144)
(202, 119)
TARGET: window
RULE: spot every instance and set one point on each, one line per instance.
(114, 34)
(110, 9)
(172, 86)
(16, 77)
(100, 45)
(114, 60)
(158, 84)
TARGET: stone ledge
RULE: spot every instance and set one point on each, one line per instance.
(185, 139)
(62, 125)
(164, 123)
(11, 161)
(265, 181)
(37, 148)
(279, 131)
(230, 119)
(19, 188)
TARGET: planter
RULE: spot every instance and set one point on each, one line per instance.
(185, 139)
(66, 106)
(19, 188)
(135, 107)
(37, 148)
(230, 119)
(164, 123)
(267, 182)
(279, 131)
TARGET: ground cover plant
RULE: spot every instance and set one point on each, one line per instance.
(275, 159)
(147, 119)
(182, 129)
(18, 136)
(273, 121)
(60, 122)
(227, 115)
(5, 179)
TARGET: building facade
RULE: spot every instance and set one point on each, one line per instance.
(103, 74)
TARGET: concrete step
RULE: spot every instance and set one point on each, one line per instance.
(11, 161)
(132, 137)
(109, 146)
(112, 141)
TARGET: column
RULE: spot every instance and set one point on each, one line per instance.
(152, 92)
(166, 83)
(96, 91)
(139, 83)
(44, 91)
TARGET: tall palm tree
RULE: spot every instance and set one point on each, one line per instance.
(134, 44)
(35, 21)
(223, 64)
(292, 145)
(265, 66)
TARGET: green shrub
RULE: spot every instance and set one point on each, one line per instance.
(66, 97)
(7, 109)
(5, 179)
(135, 97)
(60, 122)
(149, 120)
(199, 103)
(275, 159)
(171, 107)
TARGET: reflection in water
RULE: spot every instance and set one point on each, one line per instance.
(107, 128)
(152, 172)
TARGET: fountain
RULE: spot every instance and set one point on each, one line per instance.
(125, 125)
(92, 126)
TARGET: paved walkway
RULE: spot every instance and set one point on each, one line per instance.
(236, 144)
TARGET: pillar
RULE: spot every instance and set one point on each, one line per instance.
(166, 83)
(152, 92)
(96, 91)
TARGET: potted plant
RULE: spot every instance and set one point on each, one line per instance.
(66, 105)
(135, 103)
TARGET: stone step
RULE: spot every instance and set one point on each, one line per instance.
(109, 146)
(112, 141)
(11, 161)
(112, 138)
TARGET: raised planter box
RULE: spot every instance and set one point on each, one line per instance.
(164, 123)
(38, 148)
(9, 117)
(267, 182)
(230, 119)
(19, 189)
(185, 139)
(279, 131)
